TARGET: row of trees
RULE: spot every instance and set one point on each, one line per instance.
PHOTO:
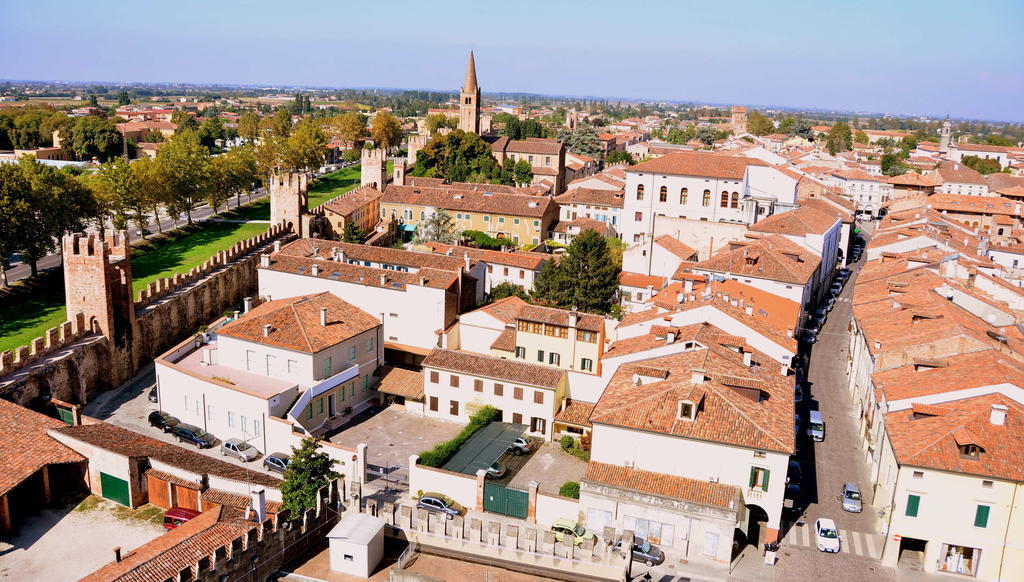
(465, 157)
(84, 138)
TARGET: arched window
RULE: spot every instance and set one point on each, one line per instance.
(707, 198)
(1000, 232)
(663, 194)
(683, 195)
(639, 191)
(734, 202)
(725, 199)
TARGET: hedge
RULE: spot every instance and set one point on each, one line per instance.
(570, 489)
(443, 451)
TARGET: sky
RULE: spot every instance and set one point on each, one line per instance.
(905, 57)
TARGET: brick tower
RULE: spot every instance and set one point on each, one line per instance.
(398, 176)
(374, 168)
(739, 119)
(98, 283)
(288, 200)
(469, 100)
(416, 142)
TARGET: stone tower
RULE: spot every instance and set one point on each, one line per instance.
(374, 170)
(944, 135)
(98, 284)
(398, 176)
(469, 100)
(416, 143)
(739, 119)
(288, 200)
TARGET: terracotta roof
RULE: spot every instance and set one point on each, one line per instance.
(773, 257)
(915, 179)
(401, 382)
(468, 200)
(977, 147)
(797, 222)
(350, 202)
(728, 412)
(698, 164)
(856, 174)
(474, 186)
(535, 145)
(506, 340)
(174, 479)
(663, 485)
(322, 249)
(628, 279)
(999, 180)
(361, 275)
(932, 441)
(555, 316)
(24, 445)
(135, 445)
(958, 174)
(295, 323)
(610, 198)
(676, 247)
(581, 224)
(237, 501)
(975, 204)
(925, 377)
(505, 310)
(513, 258)
(496, 368)
(576, 412)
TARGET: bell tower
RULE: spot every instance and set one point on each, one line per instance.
(944, 135)
(469, 100)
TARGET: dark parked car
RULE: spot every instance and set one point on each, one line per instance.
(153, 397)
(162, 420)
(440, 503)
(187, 433)
(643, 551)
(276, 462)
(843, 274)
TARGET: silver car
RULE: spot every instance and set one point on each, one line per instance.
(239, 449)
(851, 498)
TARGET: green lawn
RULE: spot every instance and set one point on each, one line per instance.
(30, 308)
(333, 185)
(258, 210)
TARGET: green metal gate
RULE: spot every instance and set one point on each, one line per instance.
(506, 500)
(66, 415)
(115, 489)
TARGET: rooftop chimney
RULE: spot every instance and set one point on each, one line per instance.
(784, 370)
(315, 270)
(277, 246)
(749, 310)
(247, 303)
(265, 260)
(341, 255)
(266, 329)
(465, 256)
(383, 279)
(697, 376)
(998, 414)
(323, 316)
(258, 499)
(688, 286)
(117, 554)
(747, 359)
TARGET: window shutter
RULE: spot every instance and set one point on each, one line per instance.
(981, 516)
(753, 476)
(764, 482)
(913, 503)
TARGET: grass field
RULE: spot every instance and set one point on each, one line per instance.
(30, 308)
(333, 185)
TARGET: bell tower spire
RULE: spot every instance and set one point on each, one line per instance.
(469, 100)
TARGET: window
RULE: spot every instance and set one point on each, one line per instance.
(453, 381)
(685, 411)
(433, 403)
(986, 484)
(487, 218)
(684, 194)
(971, 451)
(587, 365)
(209, 412)
(734, 200)
(309, 411)
(499, 390)
(759, 478)
(231, 419)
(257, 427)
(538, 397)
(639, 191)
(554, 359)
(293, 366)
(501, 219)
(366, 383)
(250, 361)
(351, 353)
(663, 194)
(918, 474)
(517, 393)
(981, 516)
(638, 216)
(478, 385)
(327, 367)
(538, 425)
(725, 199)
(913, 505)
(505, 272)
(319, 406)
(523, 325)
(520, 352)
(515, 221)
(453, 408)
(587, 336)
(433, 377)
(540, 356)
(369, 346)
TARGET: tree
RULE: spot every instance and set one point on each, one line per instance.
(386, 130)
(523, 172)
(309, 471)
(436, 121)
(95, 137)
(184, 120)
(93, 102)
(304, 149)
(797, 126)
(210, 131)
(185, 167)
(861, 137)
(249, 126)
(618, 157)
(707, 135)
(349, 126)
(152, 187)
(439, 227)
(508, 289)
(982, 165)
(154, 136)
(281, 123)
(123, 98)
(458, 157)
(16, 218)
(681, 136)
(583, 141)
(758, 124)
(586, 278)
(892, 165)
(352, 233)
(117, 185)
(839, 139)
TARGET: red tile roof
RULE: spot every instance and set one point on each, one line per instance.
(698, 164)
(797, 222)
(663, 485)
(773, 257)
(469, 200)
(496, 368)
(639, 280)
(24, 445)
(610, 198)
(958, 173)
(676, 247)
(350, 202)
(576, 412)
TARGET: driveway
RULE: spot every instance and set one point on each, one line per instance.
(549, 466)
(67, 544)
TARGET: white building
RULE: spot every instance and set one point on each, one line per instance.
(960, 179)
(869, 192)
(661, 256)
(811, 229)
(516, 267)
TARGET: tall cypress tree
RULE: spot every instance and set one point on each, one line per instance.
(587, 277)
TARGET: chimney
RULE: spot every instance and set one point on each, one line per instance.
(247, 303)
(117, 554)
(998, 414)
(784, 370)
(265, 260)
(574, 319)
(236, 314)
(670, 337)
(680, 298)
(697, 376)
(688, 286)
(747, 359)
(323, 316)
(277, 246)
(448, 252)
(878, 345)
(749, 310)
(341, 255)
(383, 279)
(789, 332)
(258, 499)
(315, 270)
(465, 256)
(266, 329)
(423, 281)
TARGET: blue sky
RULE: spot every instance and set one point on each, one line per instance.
(898, 56)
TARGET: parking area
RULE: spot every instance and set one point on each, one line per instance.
(547, 464)
(59, 545)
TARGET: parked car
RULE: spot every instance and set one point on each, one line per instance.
(810, 335)
(830, 303)
(816, 426)
(162, 420)
(153, 396)
(851, 498)
(440, 503)
(643, 551)
(826, 535)
(176, 516)
(521, 446)
(193, 434)
(566, 527)
(798, 396)
(836, 288)
(843, 274)
(276, 462)
(821, 312)
(496, 470)
(795, 471)
(796, 423)
(239, 449)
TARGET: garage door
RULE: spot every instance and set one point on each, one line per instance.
(115, 489)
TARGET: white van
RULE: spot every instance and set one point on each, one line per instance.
(816, 426)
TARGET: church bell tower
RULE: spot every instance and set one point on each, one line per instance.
(469, 100)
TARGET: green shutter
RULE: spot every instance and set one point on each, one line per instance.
(981, 516)
(913, 503)
(753, 476)
(764, 484)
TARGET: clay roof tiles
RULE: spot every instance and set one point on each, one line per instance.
(496, 368)
(24, 445)
(698, 164)
(663, 485)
